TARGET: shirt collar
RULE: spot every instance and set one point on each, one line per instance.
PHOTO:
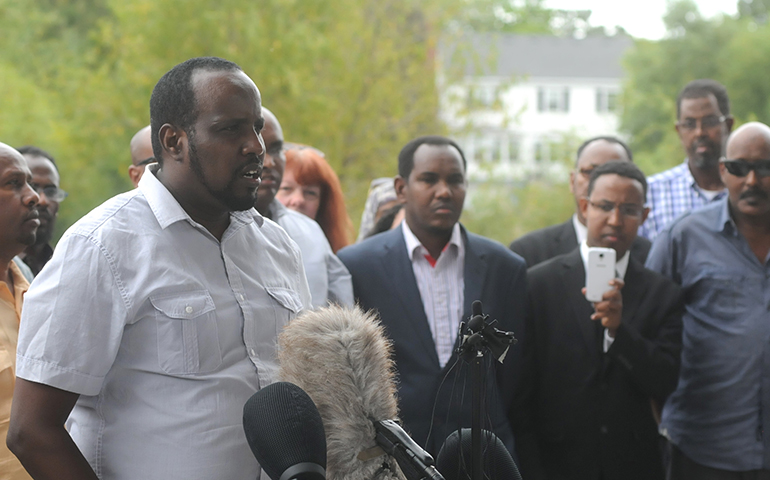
(168, 211)
(725, 222)
(20, 286)
(581, 231)
(690, 180)
(413, 243)
(621, 264)
(277, 209)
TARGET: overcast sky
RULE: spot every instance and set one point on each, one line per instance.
(640, 18)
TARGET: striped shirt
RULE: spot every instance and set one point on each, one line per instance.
(442, 287)
(670, 194)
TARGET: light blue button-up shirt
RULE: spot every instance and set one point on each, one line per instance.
(719, 415)
(164, 331)
(329, 280)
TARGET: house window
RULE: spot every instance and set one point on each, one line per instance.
(606, 100)
(482, 96)
(553, 99)
(514, 148)
(486, 148)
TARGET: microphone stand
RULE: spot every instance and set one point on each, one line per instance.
(477, 338)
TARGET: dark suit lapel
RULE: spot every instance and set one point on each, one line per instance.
(567, 239)
(574, 280)
(398, 266)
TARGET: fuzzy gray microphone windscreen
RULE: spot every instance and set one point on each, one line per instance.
(342, 359)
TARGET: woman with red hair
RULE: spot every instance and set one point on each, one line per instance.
(311, 187)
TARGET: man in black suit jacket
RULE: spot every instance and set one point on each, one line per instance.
(593, 372)
(548, 242)
(422, 278)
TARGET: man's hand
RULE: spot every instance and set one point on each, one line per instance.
(36, 433)
(610, 310)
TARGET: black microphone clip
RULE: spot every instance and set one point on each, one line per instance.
(478, 333)
(415, 463)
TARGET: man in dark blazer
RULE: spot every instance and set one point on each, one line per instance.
(422, 278)
(548, 242)
(593, 372)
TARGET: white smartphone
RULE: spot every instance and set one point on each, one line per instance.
(601, 269)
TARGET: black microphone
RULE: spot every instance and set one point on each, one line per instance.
(286, 433)
(342, 359)
(454, 458)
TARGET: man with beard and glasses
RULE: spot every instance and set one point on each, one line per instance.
(327, 277)
(422, 278)
(717, 420)
(703, 124)
(156, 318)
(45, 181)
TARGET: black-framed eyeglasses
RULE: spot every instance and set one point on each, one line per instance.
(625, 209)
(51, 191)
(706, 123)
(146, 161)
(740, 167)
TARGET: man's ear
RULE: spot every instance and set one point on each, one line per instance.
(645, 213)
(399, 183)
(134, 173)
(729, 121)
(583, 206)
(572, 182)
(722, 172)
(173, 141)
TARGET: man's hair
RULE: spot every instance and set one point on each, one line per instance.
(608, 139)
(406, 156)
(703, 88)
(173, 98)
(33, 151)
(620, 168)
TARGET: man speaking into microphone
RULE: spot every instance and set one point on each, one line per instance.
(156, 318)
(422, 278)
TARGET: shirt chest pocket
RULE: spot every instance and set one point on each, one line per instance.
(188, 341)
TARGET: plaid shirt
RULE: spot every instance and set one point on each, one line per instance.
(670, 194)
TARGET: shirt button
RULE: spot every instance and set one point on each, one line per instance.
(188, 309)
(603, 429)
(252, 352)
(240, 297)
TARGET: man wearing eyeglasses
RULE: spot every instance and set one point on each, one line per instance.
(718, 419)
(45, 181)
(592, 369)
(141, 154)
(703, 124)
(546, 243)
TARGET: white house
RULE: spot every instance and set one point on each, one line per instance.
(513, 101)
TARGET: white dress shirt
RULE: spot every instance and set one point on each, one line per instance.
(164, 331)
(621, 265)
(329, 280)
(581, 231)
(442, 287)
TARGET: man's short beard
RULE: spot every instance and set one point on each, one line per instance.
(225, 195)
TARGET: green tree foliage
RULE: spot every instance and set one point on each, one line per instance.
(730, 50)
(354, 78)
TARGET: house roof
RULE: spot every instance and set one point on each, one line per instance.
(539, 55)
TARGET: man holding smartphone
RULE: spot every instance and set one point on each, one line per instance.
(591, 369)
